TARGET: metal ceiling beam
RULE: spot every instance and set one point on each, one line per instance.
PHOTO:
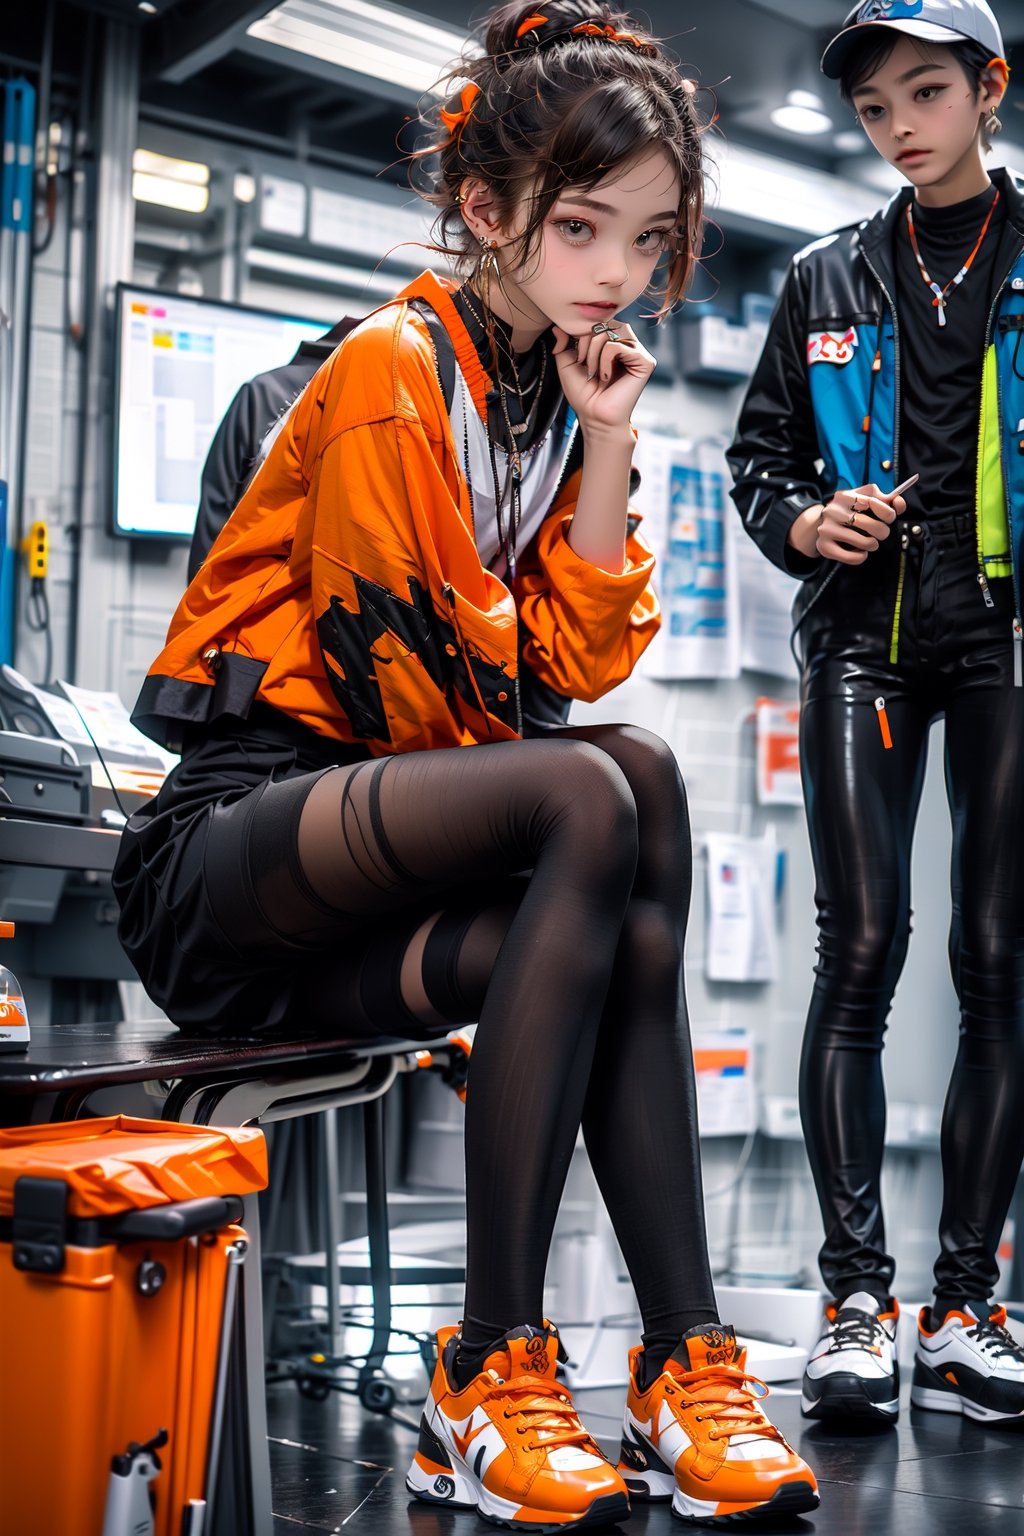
(182, 46)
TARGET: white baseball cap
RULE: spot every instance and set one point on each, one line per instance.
(937, 21)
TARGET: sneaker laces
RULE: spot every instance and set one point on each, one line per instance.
(551, 1414)
(853, 1329)
(995, 1338)
(731, 1394)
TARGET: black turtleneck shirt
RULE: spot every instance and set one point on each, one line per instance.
(941, 366)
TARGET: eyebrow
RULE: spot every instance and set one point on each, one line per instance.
(590, 202)
(911, 74)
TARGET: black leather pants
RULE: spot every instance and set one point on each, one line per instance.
(954, 657)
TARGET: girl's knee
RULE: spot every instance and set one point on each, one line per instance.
(648, 762)
(594, 790)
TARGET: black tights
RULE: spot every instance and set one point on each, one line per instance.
(542, 888)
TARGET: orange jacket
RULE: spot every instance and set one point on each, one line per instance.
(348, 574)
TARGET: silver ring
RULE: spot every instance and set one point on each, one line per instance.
(602, 328)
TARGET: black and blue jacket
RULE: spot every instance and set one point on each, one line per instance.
(822, 412)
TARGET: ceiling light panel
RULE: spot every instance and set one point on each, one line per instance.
(805, 120)
(379, 42)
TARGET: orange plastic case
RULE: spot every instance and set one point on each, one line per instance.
(91, 1358)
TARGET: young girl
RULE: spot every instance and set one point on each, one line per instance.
(436, 553)
(895, 353)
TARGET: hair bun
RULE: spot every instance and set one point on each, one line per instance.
(520, 25)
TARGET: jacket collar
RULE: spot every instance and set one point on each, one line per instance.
(876, 233)
(437, 292)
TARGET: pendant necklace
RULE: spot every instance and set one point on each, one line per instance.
(941, 298)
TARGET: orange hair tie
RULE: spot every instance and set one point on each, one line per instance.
(584, 28)
(456, 121)
(530, 25)
(591, 29)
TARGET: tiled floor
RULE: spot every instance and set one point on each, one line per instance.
(336, 1468)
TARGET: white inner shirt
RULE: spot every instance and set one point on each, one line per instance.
(543, 465)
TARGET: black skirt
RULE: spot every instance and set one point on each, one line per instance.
(215, 971)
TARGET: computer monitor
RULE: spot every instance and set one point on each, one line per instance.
(179, 363)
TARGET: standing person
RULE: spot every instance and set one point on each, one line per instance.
(895, 352)
(358, 837)
(246, 431)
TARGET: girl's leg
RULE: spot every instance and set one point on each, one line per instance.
(640, 1120)
(397, 841)
(862, 803)
(982, 1125)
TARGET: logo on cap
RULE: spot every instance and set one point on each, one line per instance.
(890, 10)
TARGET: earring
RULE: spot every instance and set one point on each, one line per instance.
(487, 260)
(994, 125)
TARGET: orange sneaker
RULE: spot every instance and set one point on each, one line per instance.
(510, 1445)
(698, 1435)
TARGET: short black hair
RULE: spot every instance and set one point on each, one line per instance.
(870, 52)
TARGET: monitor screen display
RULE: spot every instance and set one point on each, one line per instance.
(180, 363)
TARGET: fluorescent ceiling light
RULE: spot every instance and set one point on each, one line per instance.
(804, 112)
(851, 142)
(169, 182)
(800, 120)
(326, 274)
(382, 42)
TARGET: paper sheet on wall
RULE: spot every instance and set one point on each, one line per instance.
(765, 601)
(723, 1066)
(778, 752)
(741, 874)
(687, 523)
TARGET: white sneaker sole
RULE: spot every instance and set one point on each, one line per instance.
(456, 1487)
(954, 1402)
(654, 1487)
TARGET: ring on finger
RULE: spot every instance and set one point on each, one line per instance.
(851, 521)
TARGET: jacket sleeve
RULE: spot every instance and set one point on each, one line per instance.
(586, 628)
(774, 458)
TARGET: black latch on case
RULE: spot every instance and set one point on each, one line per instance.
(39, 1227)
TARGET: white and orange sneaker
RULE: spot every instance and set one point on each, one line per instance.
(699, 1437)
(510, 1445)
(970, 1364)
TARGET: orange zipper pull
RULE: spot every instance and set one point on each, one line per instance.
(883, 724)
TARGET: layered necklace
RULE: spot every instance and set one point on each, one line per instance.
(941, 298)
(529, 397)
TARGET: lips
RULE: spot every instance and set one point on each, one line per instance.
(912, 154)
(597, 307)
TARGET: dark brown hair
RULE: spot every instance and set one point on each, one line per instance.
(558, 107)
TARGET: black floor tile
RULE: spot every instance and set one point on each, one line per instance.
(338, 1468)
